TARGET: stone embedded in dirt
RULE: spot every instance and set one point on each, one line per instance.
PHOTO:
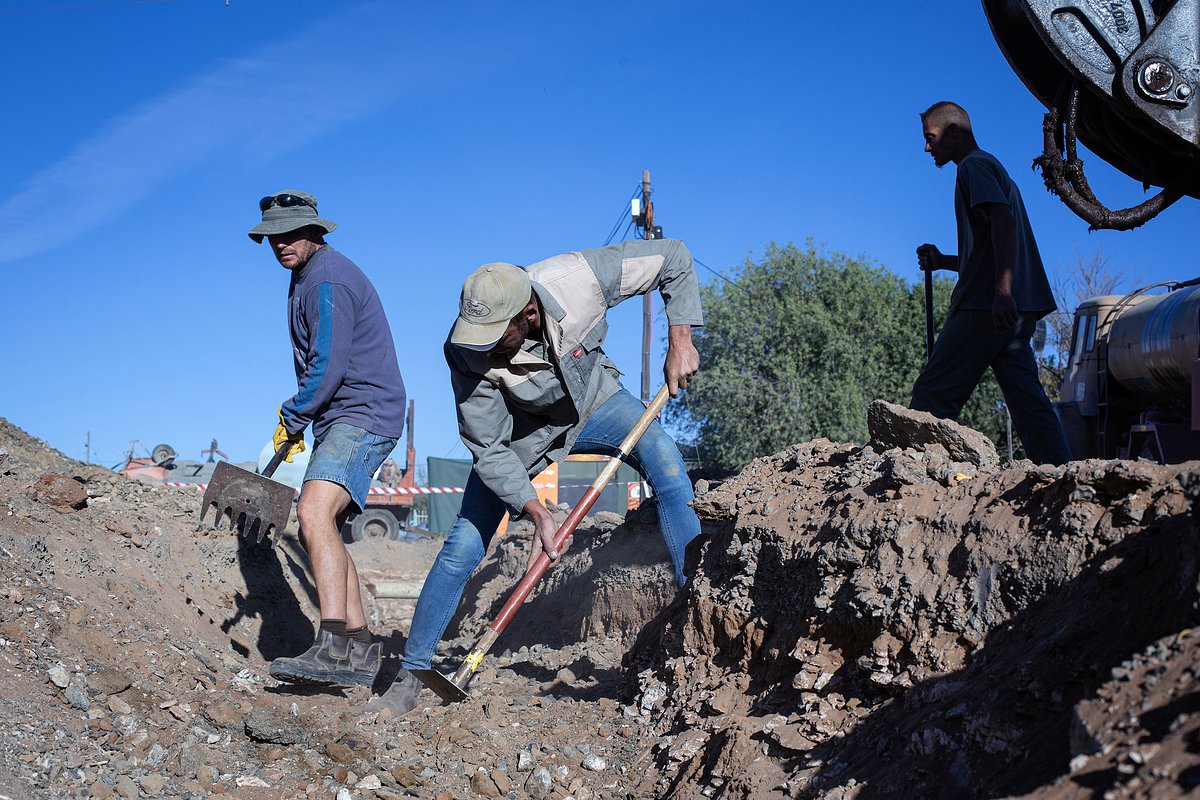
(223, 714)
(77, 697)
(126, 788)
(153, 784)
(891, 426)
(108, 681)
(207, 775)
(502, 781)
(369, 783)
(339, 752)
(59, 677)
(539, 783)
(405, 777)
(266, 725)
(483, 784)
(59, 491)
(593, 763)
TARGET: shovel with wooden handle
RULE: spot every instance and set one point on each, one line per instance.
(453, 690)
(255, 504)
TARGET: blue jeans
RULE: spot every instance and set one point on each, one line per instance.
(968, 344)
(656, 457)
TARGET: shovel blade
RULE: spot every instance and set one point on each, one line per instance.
(255, 505)
(442, 686)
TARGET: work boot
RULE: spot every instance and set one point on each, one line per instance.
(401, 697)
(332, 661)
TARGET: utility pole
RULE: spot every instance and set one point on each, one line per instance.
(643, 217)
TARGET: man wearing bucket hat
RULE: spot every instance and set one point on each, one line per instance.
(532, 384)
(350, 390)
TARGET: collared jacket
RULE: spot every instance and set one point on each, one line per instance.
(519, 415)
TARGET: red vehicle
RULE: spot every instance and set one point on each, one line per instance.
(390, 500)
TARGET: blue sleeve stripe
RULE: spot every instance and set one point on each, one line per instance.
(324, 345)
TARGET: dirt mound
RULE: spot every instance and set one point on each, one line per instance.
(134, 647)
(861, 622)
(872, 624)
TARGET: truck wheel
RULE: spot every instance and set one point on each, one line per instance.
(162, 452)
(374, 523)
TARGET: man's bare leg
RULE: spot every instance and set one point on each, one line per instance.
(324, 505)
(335, 658)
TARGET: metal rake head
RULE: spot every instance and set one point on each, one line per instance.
(255, 505)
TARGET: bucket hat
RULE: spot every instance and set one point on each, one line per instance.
(287, 211)
(491, 296)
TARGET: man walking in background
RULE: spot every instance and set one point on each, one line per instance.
(1002, 292)
(532, 384)
(350, 390)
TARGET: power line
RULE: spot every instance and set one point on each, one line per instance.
(624, 214)
(637, 190)
(713, 271)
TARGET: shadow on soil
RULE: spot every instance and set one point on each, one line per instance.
(1003, 724)
(284, 629)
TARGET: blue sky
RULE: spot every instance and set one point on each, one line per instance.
(140, 136)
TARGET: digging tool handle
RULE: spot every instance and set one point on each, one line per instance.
(565, 531)
(276, 460)
(928, 313)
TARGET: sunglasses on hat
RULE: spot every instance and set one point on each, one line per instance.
(283, 201)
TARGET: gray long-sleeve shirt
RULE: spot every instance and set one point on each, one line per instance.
(518, 416)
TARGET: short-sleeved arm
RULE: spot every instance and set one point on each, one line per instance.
(981, 183)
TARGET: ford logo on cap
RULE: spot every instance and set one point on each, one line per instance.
(473, 308)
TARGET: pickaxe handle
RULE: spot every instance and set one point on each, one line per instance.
(535, 573)
(276, 460)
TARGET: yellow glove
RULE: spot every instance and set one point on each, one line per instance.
(282, 435)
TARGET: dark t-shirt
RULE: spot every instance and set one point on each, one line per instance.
(982, 179)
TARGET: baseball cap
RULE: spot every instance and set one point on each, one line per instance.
(491, 296)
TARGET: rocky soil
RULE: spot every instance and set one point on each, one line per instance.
(134, 646)
(885, 622)
(906, 619)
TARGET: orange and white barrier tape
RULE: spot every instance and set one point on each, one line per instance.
(372, 490)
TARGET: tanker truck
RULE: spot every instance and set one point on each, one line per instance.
(1122, 77)
(1132, 373)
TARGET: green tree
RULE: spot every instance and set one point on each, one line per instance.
(797, 345)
